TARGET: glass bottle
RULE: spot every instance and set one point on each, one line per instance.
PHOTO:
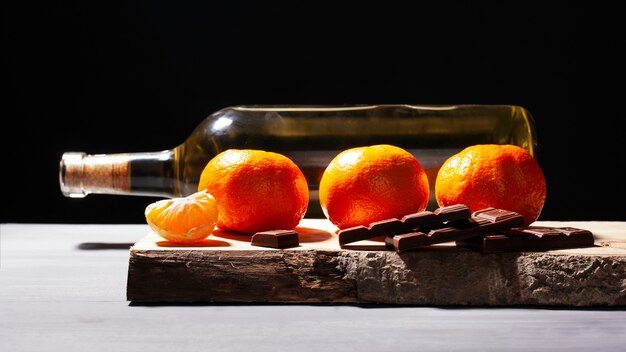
(309, 135)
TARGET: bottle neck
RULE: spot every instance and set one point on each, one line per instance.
(149, 174)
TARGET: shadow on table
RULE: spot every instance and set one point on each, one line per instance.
(97, 246)
(309, 234)
(305, 234)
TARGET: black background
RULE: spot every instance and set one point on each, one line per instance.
(139, 76)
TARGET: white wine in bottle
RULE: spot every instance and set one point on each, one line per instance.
(309, 135)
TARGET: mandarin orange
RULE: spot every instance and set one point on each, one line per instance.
(256, 190)
(366, 184)
(183, 220)
(489, 175)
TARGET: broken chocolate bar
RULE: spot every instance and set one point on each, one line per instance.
(276, 239)
(408, 223)
(491, 219)
(530, 239)
(481, 222)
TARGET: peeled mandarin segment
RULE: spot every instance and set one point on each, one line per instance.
(183, 220)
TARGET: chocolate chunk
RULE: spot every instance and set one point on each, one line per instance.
(276, 239)
(378, 228)
(481, 222)
(491, 219)
(403, 242)
(384, 227)
(409, 223)
(529, 239)
(453, 212)
(441, 215)
(423, 218)
(354, 234)
(493, 215)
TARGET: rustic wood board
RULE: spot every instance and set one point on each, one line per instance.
(226, 268)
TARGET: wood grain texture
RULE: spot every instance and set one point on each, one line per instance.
(225, 268)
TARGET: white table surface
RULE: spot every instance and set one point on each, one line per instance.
(62, 288)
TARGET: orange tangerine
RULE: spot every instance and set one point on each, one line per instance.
(183, 220)
(256, 190)
(490, 175)
(366, 184)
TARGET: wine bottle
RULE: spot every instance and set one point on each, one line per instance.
(309, 135)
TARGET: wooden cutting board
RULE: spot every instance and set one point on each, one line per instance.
(226, 268)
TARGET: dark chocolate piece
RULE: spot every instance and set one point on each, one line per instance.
(491, 219)
(408, 223)
(530, 239)
(467, 228)
(378, 228)
(354, 234)
(276, 239)
(439, 216)
(493, 214)
(481, 222)
(383, 227)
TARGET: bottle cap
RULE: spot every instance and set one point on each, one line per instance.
(81, 174)
(71, 174)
